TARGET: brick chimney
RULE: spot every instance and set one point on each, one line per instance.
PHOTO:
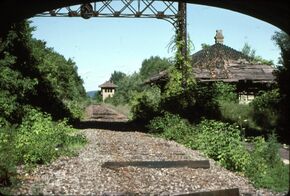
(219, 38)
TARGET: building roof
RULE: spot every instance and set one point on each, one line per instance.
(215, 54)
(235, 71)
(108, 84)
(222, 63)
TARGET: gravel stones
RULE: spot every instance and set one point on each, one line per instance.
(84, 174)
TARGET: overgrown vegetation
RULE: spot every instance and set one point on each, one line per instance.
(171, 127)
(8, 157)
(40, 94)
(266, 110)
(222, 138)
(260, 117)
(224, 143)
(37, 140)
(146, 105)
(283, 78)
(40, 140)
(265, 168)
(32, 74)
(208, 116)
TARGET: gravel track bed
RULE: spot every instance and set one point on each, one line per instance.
(83, 174)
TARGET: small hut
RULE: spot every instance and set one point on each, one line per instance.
(107, 89)
(219, 62)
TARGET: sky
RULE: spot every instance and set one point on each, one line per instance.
(99, 46)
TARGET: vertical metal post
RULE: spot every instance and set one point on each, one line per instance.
(182, 25)
(182, 35)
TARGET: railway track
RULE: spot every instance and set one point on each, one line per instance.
(105, 114)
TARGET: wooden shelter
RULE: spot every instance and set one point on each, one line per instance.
(222, 63)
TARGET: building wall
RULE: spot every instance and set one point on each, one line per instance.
(107, 92)
(246, 98)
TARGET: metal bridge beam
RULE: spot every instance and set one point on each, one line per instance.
(165, 10)
(173, 12)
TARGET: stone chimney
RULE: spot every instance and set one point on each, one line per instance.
(219, 38)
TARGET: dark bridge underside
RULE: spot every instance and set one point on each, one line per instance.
(275, 12)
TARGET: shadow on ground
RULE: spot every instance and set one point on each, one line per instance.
(112, 125)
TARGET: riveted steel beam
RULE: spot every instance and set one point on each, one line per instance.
(165, 10)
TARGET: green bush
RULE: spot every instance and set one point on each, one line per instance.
(193, 103)
(225, 92)
(146, 104)
(222, 142)
(260, 117)
(7, 155)
(171, 127)
(218, 140)
(240, 114)
(265, 168)
(39, 139)
(72, 142)
(266, 110)
(76, 108)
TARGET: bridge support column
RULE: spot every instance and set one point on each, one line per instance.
(182, 37)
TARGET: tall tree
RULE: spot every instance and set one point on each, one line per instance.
(249, 51)
(36, 75)
(283, 77)
(153, 66)
(117, 76)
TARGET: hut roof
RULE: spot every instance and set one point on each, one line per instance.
(215, 54)
(108, 84)
(222, 63)
(234, 71)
